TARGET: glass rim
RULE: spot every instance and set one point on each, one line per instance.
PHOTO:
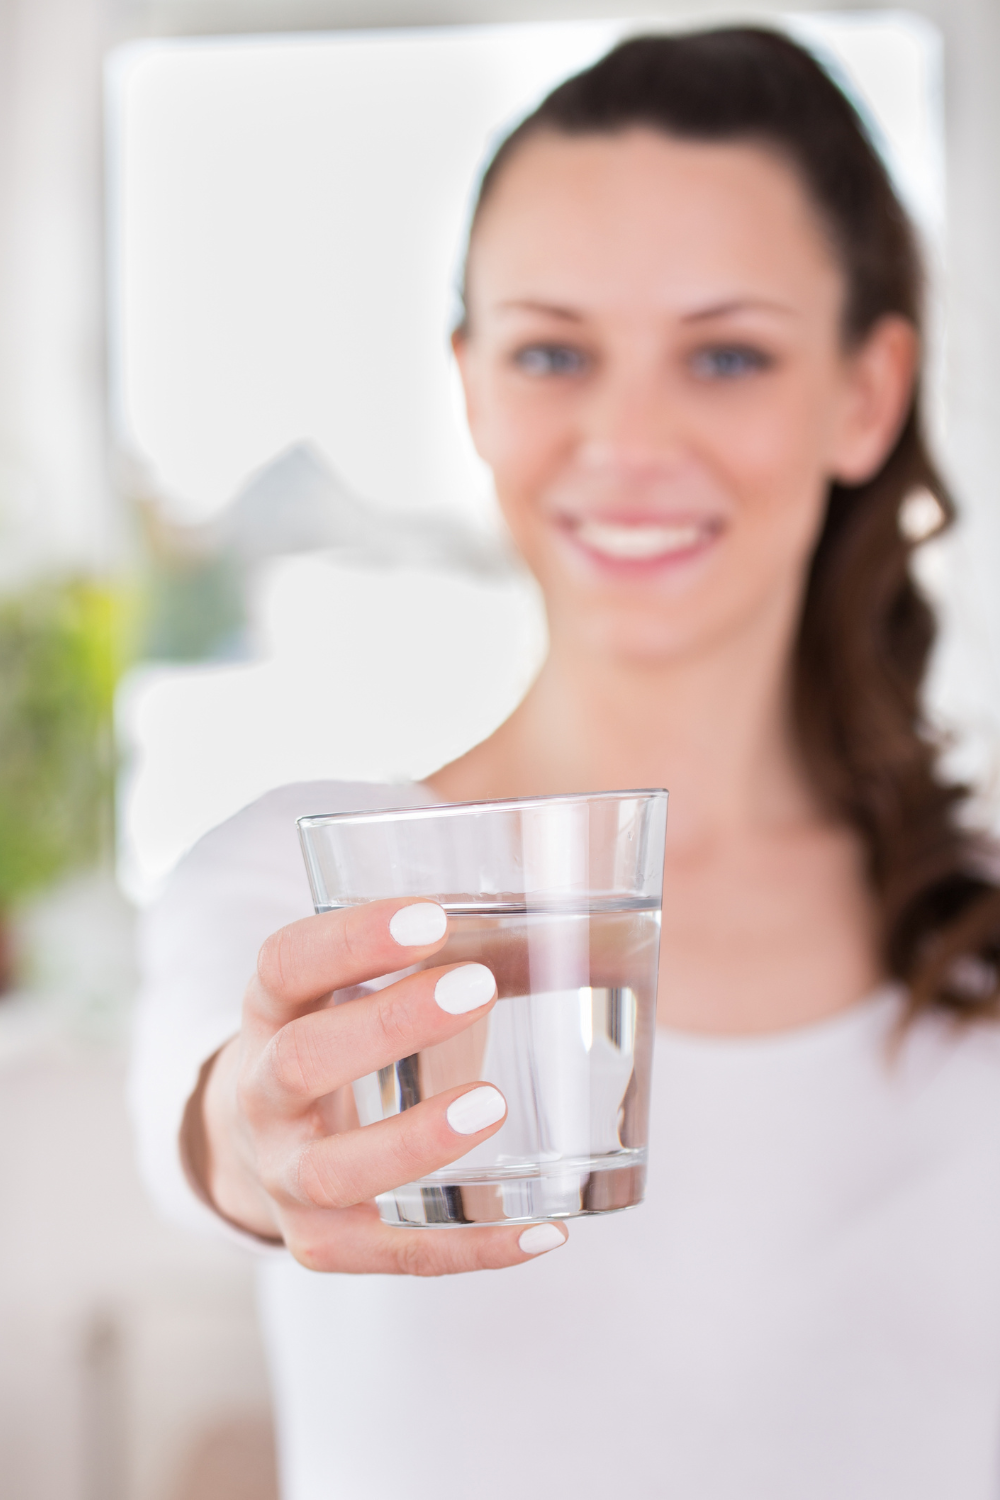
(312, 821)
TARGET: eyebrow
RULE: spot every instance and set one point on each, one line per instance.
(551, 309)
(701, 314)
(735, 305)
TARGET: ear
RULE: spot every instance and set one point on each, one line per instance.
(880, 376)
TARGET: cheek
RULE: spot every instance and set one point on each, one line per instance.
(525, 439)
(773, 462)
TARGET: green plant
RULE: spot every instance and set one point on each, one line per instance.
(60, 656)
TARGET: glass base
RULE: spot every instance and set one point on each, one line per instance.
(558, 1191)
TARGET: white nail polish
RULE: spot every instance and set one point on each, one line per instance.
(541, 1237)
(475, 1110)
(417, 925)
(464, 989)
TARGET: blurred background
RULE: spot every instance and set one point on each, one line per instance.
(239, 510)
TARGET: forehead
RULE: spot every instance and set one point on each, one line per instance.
(644, 216)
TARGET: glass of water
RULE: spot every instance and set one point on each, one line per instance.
(560, 897)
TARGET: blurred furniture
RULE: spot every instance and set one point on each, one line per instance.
(130, 1363)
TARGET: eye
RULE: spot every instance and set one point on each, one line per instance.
(550, 359)
(729, 361)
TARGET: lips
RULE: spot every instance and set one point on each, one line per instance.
(642, 541)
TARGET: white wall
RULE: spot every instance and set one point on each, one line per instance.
(55, 503)
(287, 215)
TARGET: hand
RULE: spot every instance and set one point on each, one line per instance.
(284, 1155)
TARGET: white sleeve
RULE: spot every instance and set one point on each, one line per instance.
(198, 949)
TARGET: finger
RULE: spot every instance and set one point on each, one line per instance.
(355, 1240)
(300, 965)
(337, 1171)
(320, 1052)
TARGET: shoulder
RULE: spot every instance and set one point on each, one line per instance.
(249, 871)
(951, 1069)
(969, 1050)
(266, 830)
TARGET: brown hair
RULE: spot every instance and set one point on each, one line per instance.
(866, 631)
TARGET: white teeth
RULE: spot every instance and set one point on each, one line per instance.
(638, 542)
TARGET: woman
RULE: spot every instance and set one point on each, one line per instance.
(690, 357)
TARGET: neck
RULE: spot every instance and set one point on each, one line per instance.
(714, 728)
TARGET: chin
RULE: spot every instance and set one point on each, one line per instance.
(636, 639)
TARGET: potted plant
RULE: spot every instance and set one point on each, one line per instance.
(59, 660)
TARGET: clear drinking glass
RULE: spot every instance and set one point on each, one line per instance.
(561, 898)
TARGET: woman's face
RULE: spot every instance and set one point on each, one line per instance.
(655, 373)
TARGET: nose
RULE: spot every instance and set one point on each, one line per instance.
(630, 424)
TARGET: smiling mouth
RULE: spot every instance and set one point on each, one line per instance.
(643, 541)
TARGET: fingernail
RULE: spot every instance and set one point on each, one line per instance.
(475, 1110)
(465, 989)
(541, 1237)
(417, 925)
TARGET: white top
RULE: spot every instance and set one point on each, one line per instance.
(807, 1306)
